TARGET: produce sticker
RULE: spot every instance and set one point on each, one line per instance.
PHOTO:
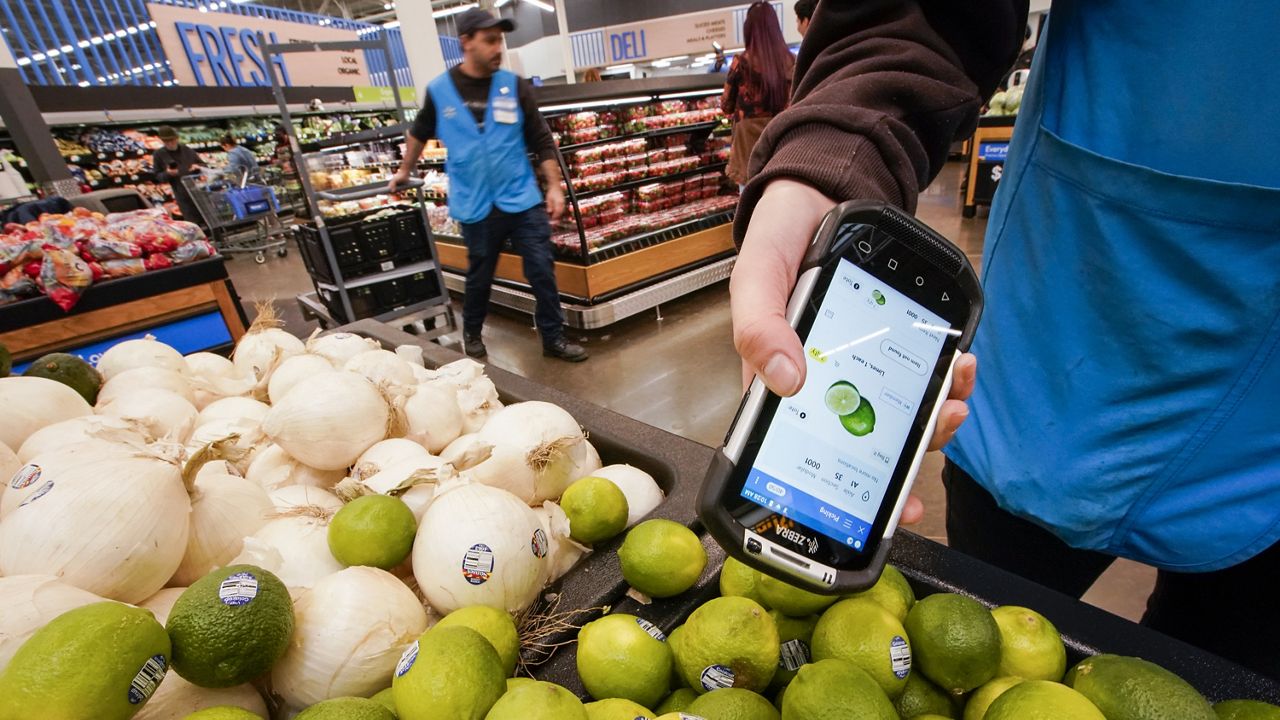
(407, 659)
(144, 684)
(238, 589)
(539, 544)
(900, 657)
(715, 677)
(652, 629)
(477, 564)
(25, 477)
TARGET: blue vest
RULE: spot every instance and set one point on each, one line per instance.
(1129, 354)
(486, 168)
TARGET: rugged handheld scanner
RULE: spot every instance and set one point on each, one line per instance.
(809, 488)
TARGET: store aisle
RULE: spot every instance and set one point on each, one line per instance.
(681, 373)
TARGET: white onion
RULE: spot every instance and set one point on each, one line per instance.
(9, 464)
(585, 461)
(77, 430)
(478, 401)
(31, 403)
(116, 527)
(386, 453)
(291, 371)
(399, 477)
(295, 497)
(349, 633)
(490, 535)
(209, 365)
(642, 491)
(329, 419)
(295, 548)
(382, 368)
(549, 441)
(273, 468)
(432, 416)
(30, 602)
(261, 351)
(338, 348)
(233, 408)
(461, 372)
(161, 604)
(164, 414)
(418, 498)
(143, 378)
(564, 552)
(243, 451)
(143, 352)
(176, 699)
(224, 510)
(467, 452)
(33, 475)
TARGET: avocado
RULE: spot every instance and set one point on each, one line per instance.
(70, 371)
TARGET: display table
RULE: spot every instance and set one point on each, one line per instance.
(986, 153)
(191, 307)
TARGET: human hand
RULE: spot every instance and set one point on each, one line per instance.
(764, 275)
(555, 202)
(400, 178)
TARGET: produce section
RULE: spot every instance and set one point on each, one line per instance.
(485, 545)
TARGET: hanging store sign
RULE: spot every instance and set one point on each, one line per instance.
(690, 34)
(222, 50)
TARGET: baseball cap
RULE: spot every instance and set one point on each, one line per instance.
(476, 19)
(167, 132)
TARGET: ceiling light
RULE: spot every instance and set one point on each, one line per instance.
(691, 93)
(594, 103)
(453, 10)
(541, 5)
(391, 25)
(627, 66)
(661, 63)
(677, 57)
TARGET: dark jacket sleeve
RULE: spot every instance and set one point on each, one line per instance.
(882, 89)
(160, 164)
(424, 124)
(537, 136)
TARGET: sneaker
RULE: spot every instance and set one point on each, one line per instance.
(474, 346)
(564, 350)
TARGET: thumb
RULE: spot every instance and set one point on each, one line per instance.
(758, 291)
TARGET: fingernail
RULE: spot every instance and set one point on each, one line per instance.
(781, 375)
(959, 420)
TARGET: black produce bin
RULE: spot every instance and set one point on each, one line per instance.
(679, 466)
(366, 247)
(380, 297)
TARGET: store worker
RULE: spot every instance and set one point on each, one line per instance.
(489, 121)
(241, 162)
(171, 163)
(1130, 344)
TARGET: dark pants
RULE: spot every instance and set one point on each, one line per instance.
(1229, 612)
(530, 236)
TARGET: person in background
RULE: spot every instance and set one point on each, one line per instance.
(489, 120)
(758, 84)
(1130, 338)
(804, 14)
(591, 75)
(241, 162)
(170, 163)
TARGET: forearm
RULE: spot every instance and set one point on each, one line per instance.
(551, 171)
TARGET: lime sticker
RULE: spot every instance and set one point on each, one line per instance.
(407, 659)
(238, 589)
(794, 654)
(716, 677)
(477, 564)
(25, 477)
(899, 657)
(144, 684)
(652, 629)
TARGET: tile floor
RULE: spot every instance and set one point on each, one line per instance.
(680, 372)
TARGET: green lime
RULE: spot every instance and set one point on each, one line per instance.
(230, 626)
(921, 697)
(450, 672)
(673, 642)
(1246, 710)
(661, 558)
(728, 642)
(515, 682)
(597, 509)
(538, 701)
(835, 690)
(617, 709)
(346, 708)
(892, 591)
(842, 398)
(223, 712)
(870, 637)
(975, 708)
(733, 704)
(790, 600)
(69, 370)
(1043, 700)
(739, 579)
(497, 626)
(106, 656)
(1030, 646)
(388, 701)
(678, 701)
(861, 421)
(372, 530)
(623, 656)
(956, 641)
(795, 636)
(1128, 688)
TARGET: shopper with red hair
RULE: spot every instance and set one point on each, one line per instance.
(758, 86)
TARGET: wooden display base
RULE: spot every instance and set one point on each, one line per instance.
(590, 282)
(998, 129)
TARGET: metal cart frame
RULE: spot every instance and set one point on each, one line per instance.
(237, 232)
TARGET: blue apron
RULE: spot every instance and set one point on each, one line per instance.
(1129, 357)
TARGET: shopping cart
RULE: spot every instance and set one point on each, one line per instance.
(241, 216)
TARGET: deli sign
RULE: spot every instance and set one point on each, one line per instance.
(222, 50)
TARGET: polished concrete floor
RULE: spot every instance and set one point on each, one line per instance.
(676, 368)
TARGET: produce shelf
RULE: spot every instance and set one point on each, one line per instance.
(657, 132)
(633, 184)
(399, 272)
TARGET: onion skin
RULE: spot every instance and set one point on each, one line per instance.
(31, 403)
(328, 420)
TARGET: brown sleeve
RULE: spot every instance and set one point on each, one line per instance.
(729, 101)
(882, 89)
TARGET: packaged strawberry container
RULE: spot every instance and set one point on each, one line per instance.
(578, 121)
(581, 135)
(670, 107)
